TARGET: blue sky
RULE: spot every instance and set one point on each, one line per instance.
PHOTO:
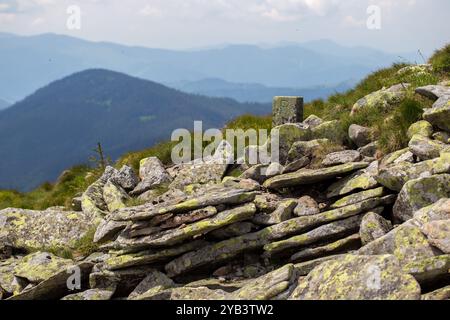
(406, 25)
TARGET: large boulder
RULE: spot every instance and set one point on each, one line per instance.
(427, 149)
(373, 226)
(354, 277)
(433, 92)
(36, 230)
(382, 98)
(439, 114)
(302, 149)
(419, 193)
(341, 157)
(331, 130)
(359, 135)
(438, 234)
(92, 201)
(423, 128)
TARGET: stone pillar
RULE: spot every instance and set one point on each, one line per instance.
(287, 110)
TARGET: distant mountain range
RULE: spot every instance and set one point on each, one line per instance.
(60, 124)
(4, 104)
(48, 57)
(246, 92)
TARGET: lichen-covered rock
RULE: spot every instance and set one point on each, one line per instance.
(369, 150)
(359, 135)
(416, 70)
(341, 157)
(306, 206)
(313, 121)
(439, 114)
(309, 176)
(90, 295)
(423, 128)
(92, 201)
(126, 178)
(373, 226)
(182, 293)
(266, 286)
(440, 210)
(383, 98)
(427, 149)
(231, 231)
(152, 174)
(9, 283)
(288, 135)
(257, 172)
(395, 176)
(287, 110)
(353, 277)
(429, 270)
(114, 196)
(349, 243)
(296, 165)
(333, 230)
(437, 295)
(433, 92)
(301, 149)
(358, 197)
(406, 242)
(419, 193)
(331, 130)
(108, 229)
(274, 169)
(154, 279)
(282, 213)
(438, 234)
(442, 136)
(30, 229)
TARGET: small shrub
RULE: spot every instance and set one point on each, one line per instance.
(441, 59)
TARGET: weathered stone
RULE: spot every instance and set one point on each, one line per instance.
(92, 201)
(416, 70)
(287, 110)
(382, 99)
(282, 213)
(329, 231)
(304, 268)
(359, 135)
(440, 210)
(395, 176)
(423, 128)
(125, 178)
(306, 206)
(114, 196)
(175, 236)
(419, 193)
(313, 121)
(358, 197)
(91, 295)
(296, 165)
(108, 230)
(267, 202)
(231, 231)
(438, 234)
(373, 226)
(439, 294)
(433, 92)
(230, 248)
(349, 243)
(274, 169)
(331, 130)
(40, 266)
(308, 176)
(439, 114)
(288, 135)
(150, 256)
(190, 217)
(256, 172)
(54, 286)
(427, 149)
(8, 281)
(429, 270)
(37, 230)
(369, 150)
(341, 157)
(266, 286)
(154, 279)
(153, 175)
(361, 180)
(182, 293)
(442, 136)
(353, 277)
(215, 197)
(406, 242)
(301, 149)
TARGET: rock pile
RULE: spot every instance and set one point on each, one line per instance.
(327, 222)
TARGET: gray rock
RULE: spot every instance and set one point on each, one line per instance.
(439, 210)
(427, 149)
(438, 234)
(373, 226)
(353, 277)
(282, 213)
(125, 178)
(313, 121)
(439, 114)
(257, 172)
(152, 280)
(274, 169)
(306, 206)
(231, 231)
(419, 193)
(287, 110)
(108, 230)
(358, 197)
(369, 150)
(341, 157)
(359, 135)
(442, 136)
(153, 174)
(296, 165)
(90, 295)
(114, 196)
(301, 149)
(423, 128)
(331, 130)
(433, 92)
(437, 295)
(429, 270)
(288, 135)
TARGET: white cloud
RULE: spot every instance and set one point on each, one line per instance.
(150, 11)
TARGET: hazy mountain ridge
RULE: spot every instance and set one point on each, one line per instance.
(58, 125)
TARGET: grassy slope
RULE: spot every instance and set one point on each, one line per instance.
(389, 128)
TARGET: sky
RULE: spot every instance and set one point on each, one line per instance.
(394, 25)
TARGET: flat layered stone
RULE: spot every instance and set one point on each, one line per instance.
(92, 201)
(341, 157)
(154, 279)
(306, 206)
(175, 236)
(429, 270)
(438, 295)
(439, 114)
(190, 217)
(329, 231)
(426, 148)
(349, 243)
(353, 277)
(308, 176)
(90, 295)
(304, 268)
(438, 234)
(182, 293)
(231, 248)
(282, 213)
(358, 197)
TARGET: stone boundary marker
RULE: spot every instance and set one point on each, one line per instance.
(287, 110)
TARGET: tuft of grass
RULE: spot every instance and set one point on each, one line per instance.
(441, 60)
